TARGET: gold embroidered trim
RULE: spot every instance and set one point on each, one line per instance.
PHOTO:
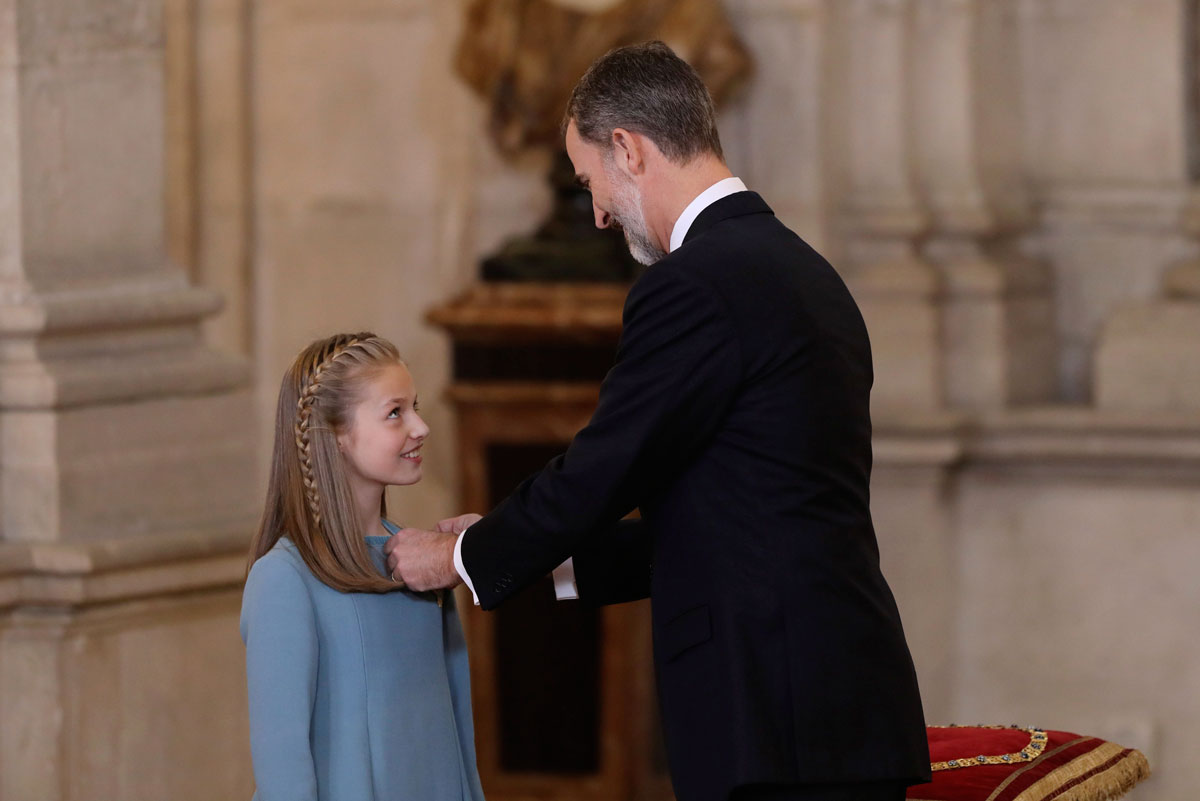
(1037, 743)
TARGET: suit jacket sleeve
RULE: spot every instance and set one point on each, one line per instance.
(677, 371)
(615, 566)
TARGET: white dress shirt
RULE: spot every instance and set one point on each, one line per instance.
(709, 196)
(565, 588)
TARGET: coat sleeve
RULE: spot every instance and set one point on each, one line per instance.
(280, 632)
(615, 566)
(677, 372)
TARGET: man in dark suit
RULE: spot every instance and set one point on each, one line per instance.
(736, 418)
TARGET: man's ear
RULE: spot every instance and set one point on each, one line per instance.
(629, 152)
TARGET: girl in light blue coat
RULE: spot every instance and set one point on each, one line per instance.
(358, 688)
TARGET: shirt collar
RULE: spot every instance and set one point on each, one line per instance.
(720, 189)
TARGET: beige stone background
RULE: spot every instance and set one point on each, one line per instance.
(1006, 185)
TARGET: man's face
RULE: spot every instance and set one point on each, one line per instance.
(615, 198)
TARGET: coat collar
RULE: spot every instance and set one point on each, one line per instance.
(738, 204)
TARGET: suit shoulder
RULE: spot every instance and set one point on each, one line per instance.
(756, 250)
(670, 286)
(690, 269)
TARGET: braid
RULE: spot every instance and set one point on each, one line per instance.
(304, 407)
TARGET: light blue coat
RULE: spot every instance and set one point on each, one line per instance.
(354, 696)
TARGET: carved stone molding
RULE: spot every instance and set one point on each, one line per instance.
(1066, 440)
(81, 575)
(1151, 208)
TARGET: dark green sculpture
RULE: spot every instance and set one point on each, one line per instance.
(567, 246)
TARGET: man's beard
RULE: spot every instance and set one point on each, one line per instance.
(627, 213)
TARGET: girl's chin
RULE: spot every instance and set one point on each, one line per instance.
(411, 476)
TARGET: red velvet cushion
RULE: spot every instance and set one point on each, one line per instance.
(994, 763)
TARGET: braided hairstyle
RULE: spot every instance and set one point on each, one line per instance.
(309, 497)
(322, 358)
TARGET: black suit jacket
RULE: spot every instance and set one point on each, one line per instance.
(737, 418)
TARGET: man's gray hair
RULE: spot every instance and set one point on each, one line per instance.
(647, 89)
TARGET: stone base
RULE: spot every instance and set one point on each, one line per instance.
(95, 472)
(1148, 358)
(998, 333)
(121, 670)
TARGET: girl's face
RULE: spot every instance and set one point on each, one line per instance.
(383, 443)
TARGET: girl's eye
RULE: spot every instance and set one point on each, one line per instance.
(394, 413)
(416, 406)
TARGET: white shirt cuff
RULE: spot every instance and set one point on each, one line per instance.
(565, 588)
(462, 570)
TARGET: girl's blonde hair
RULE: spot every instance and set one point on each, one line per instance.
(309, 497)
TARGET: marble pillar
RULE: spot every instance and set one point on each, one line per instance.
(882, 218)
(788, 40)
(997, 324)
(116, 420)
(125, 499)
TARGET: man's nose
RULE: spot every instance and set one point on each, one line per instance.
(603, 218)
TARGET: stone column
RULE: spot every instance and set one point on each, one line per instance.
(882, 216)
(1112, 186)
(125, 457)
(115, 419)
(997, 325)
(781, 110)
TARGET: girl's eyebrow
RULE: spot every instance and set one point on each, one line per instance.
(394, 401)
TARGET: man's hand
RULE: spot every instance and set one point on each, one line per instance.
(423, 560)
(457, 525)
